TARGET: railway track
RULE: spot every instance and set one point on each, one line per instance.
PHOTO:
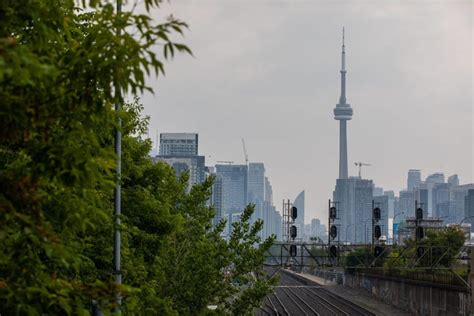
(293, 297)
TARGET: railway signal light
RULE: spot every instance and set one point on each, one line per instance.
(293, 231)
(377, 213)
(378, 251)
(419, 233)
(333, 231)
(420, 251)
(293, 250)
(419, 213)
(294, 212)
(333, 251)
(377, 232)
(332, 213)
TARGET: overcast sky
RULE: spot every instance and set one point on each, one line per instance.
(268, 71)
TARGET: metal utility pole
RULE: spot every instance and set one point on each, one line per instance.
(117, 201)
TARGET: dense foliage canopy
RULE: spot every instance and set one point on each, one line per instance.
(59, 65)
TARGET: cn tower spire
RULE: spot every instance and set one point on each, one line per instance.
(343, 113)
(342, 99)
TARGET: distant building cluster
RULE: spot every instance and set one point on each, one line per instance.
(443, 201)
(235, 186)
(448, 201)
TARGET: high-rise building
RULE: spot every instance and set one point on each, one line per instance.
(414, 179)
(421, 197)
(268, 191)
(354, 204)
(391, 202)
(377, 191)
(441, 202)
(318, 230)
(272, 222)
(437, 177)
(216, 199)
(453, 180)
(234, 188)
(256, 188)
(458, 199)
(343, 113)
(406, 204)
(469, 207)
(180, 151)
(194, 165)
(179, 144)
(299, 222)
(256, 182)
(429, 184)
(315, 224)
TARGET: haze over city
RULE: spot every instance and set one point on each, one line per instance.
(237, 157)
(269, 72)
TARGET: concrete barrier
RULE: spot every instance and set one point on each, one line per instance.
(415, 297)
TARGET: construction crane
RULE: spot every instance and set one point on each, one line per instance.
(225, 161)
(245, 152)
(360, 164)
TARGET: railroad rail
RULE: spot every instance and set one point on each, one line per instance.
(294, 297)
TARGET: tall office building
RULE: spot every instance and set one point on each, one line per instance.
(195, 166)
(354, 197)
(392, 200)
(453, 180)
(406, 204)
(414, 179)
(318, 230)
(469, 207)
(429, 184)
(234, 189)
(377, 191)
(216, 199)
(271, 221)
(180, 151)
(422, 198)
(441, 202)
(256, 181)
(268, 191)
(458, 199)
(343, 113)
(256, 188)
(179, 144)
(299, 222)
(437, 177)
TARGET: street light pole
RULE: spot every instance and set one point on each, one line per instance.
(117, 195)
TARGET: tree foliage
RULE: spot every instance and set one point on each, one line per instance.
(59, 66)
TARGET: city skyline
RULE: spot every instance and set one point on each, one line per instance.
(393, 85)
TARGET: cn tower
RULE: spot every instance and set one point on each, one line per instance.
(343, 113)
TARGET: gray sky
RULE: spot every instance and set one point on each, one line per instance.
(268, 71)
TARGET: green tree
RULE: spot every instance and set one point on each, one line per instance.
(442, 246)
(58, 66)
